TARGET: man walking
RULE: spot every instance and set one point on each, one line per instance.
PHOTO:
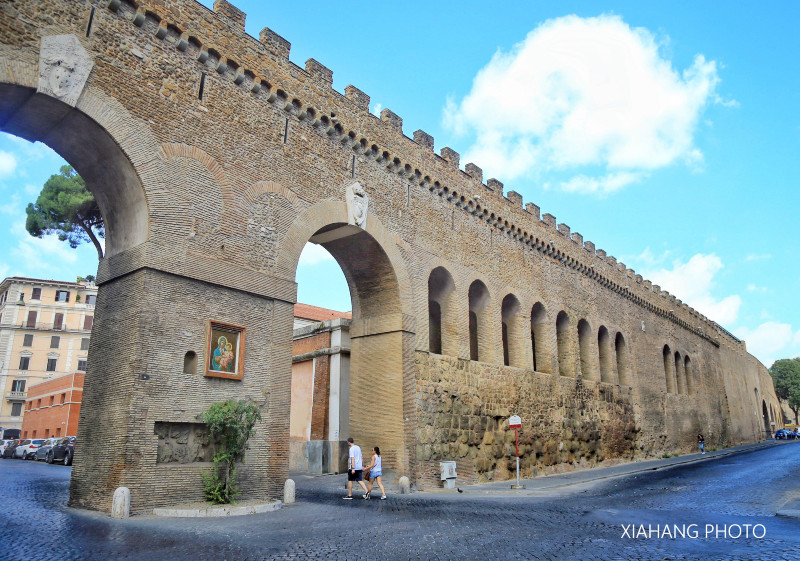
(355, 469)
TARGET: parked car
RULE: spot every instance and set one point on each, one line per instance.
(8, 452)
(62, 451)
(783, 434)
(18, 449)
(29, 448)
(46, 446)
(4, 443)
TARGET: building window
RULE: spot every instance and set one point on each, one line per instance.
(18, 386)
(36, 294)
(669, 369)
(540, 339)
(566, 364)
(31, 319)
(85, 344)
(189, 363)
(82, 364)
(58, 321)
(55, 341)
(52, 400)
(58, 432)
(24, 362)
(442, 324)
(27, 341)
(62, 295)
(38, 404)
(511, 326)
(16, 409)
(63, 398)
(51, 364)
(480, 336)
(622, 360)
(91, 299)
(606, 358)
(88, 321)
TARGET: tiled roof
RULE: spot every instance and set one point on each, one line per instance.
(306, 311)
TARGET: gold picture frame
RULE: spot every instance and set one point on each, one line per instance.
(225, 350)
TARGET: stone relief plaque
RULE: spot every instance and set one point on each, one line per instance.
(64, 67)
(357, 205)
(184, 443)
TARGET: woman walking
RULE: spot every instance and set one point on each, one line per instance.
(702, 442)
(375, 473)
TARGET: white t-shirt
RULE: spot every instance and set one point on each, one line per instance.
(355, 455)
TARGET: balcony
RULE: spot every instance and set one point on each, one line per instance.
(16, 396)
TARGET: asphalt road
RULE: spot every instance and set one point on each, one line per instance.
(634, 517)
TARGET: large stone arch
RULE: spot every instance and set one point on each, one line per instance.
(382, 333)
(99, 139)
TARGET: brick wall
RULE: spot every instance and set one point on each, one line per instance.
(209, 201)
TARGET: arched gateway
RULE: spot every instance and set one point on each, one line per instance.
(215, 159)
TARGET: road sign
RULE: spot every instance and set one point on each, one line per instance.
(514, 422)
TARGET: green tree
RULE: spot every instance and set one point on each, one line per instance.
(67, 208)
(230, 423)
(786, 378)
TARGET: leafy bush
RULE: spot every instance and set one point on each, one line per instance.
(231, 424)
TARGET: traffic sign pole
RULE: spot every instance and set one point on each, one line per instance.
(514, 422)
(516, 445)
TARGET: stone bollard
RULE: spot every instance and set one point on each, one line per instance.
(405, 485)
(288, 492)
(121, 503)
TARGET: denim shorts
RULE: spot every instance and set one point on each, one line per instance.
(373, 474)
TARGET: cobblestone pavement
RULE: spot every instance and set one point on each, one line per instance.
(582, 522)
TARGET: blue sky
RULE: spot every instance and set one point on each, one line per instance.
(666, 134)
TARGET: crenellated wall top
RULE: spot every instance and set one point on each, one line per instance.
(263, 72)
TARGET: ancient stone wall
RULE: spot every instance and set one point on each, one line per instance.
(463, 408)
(215, 159)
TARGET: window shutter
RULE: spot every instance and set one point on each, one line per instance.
(88, 321)
(31, 319)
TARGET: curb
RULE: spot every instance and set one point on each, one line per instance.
(216, 512)
(790, 509)
(535, 490)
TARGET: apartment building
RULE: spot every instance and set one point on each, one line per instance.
(53, 407)
(44, 333)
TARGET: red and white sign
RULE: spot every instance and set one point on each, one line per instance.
(514, 422)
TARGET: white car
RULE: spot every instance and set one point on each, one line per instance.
(27, 450)
(3, 444)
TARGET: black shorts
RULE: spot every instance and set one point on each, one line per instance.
(355, 475)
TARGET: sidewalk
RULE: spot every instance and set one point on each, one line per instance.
(546, 482)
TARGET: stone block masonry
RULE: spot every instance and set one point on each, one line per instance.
(215, 159)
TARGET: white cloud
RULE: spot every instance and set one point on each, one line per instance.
(313, 253)
(376, 109)
(12, 206)
(8, 163)
(758, 256)
(43, 258)
(601, 185)
(693, 283)
(584, 92)
(769, 341)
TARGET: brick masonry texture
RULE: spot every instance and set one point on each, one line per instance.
(214, 160)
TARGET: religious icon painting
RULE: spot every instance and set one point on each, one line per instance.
(225, 351)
